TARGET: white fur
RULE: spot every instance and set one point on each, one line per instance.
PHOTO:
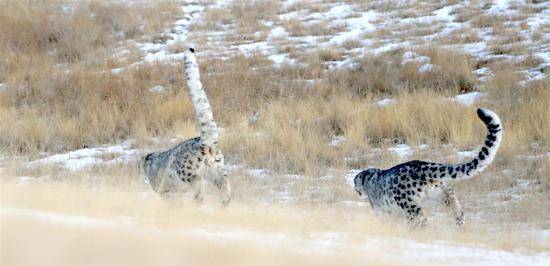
(208, 129)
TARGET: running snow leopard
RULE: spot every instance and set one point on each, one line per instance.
(403, 187)
(186, 166)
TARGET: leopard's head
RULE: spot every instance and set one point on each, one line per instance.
(145, 163)
(361, 180)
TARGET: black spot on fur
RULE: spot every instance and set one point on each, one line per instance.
(481, 156)
(492, 127)
(491, 137)
(485, 151)
(488, 143)
(484, 117)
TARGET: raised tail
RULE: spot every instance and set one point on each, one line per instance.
(488, 150)
(207, 126)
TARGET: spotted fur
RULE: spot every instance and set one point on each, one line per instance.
(403, 187)
(186, 166)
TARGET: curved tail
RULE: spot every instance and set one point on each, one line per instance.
(207, 126)
(488, 150)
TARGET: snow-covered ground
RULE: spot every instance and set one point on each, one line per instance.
(86, 158)
(371, 27)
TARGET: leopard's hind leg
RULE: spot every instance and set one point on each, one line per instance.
(198, 187)
(450, 200)
(224, 187)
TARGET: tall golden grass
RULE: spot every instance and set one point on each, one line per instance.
(61, 95)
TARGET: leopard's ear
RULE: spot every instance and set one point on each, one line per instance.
(142, 164)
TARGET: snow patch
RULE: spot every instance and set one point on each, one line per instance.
(277, 33)
(279, 59)
(412, 57)
(385, 102)
(426, 68)
(88, 157)
(468, 98)
(444, 13)
(401, 150)
(157, 89)
(350, 176)
(356, 28)
(259, 173)
(336, 140)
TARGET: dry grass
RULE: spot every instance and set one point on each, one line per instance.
(351, 44)
(248, 15)
(487, 20)
(329, 54)
(49, 117)
(79, 34)
(296, 27)
(59, 94)
(214, 19)
(462, 35)
(385, 74)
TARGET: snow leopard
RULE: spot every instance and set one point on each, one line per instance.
(189, 164)
(404, 187)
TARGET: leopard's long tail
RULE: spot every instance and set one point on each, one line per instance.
(207, 126)
(484, 157)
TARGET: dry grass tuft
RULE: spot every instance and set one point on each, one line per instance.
(385, 74)
(248, 15)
